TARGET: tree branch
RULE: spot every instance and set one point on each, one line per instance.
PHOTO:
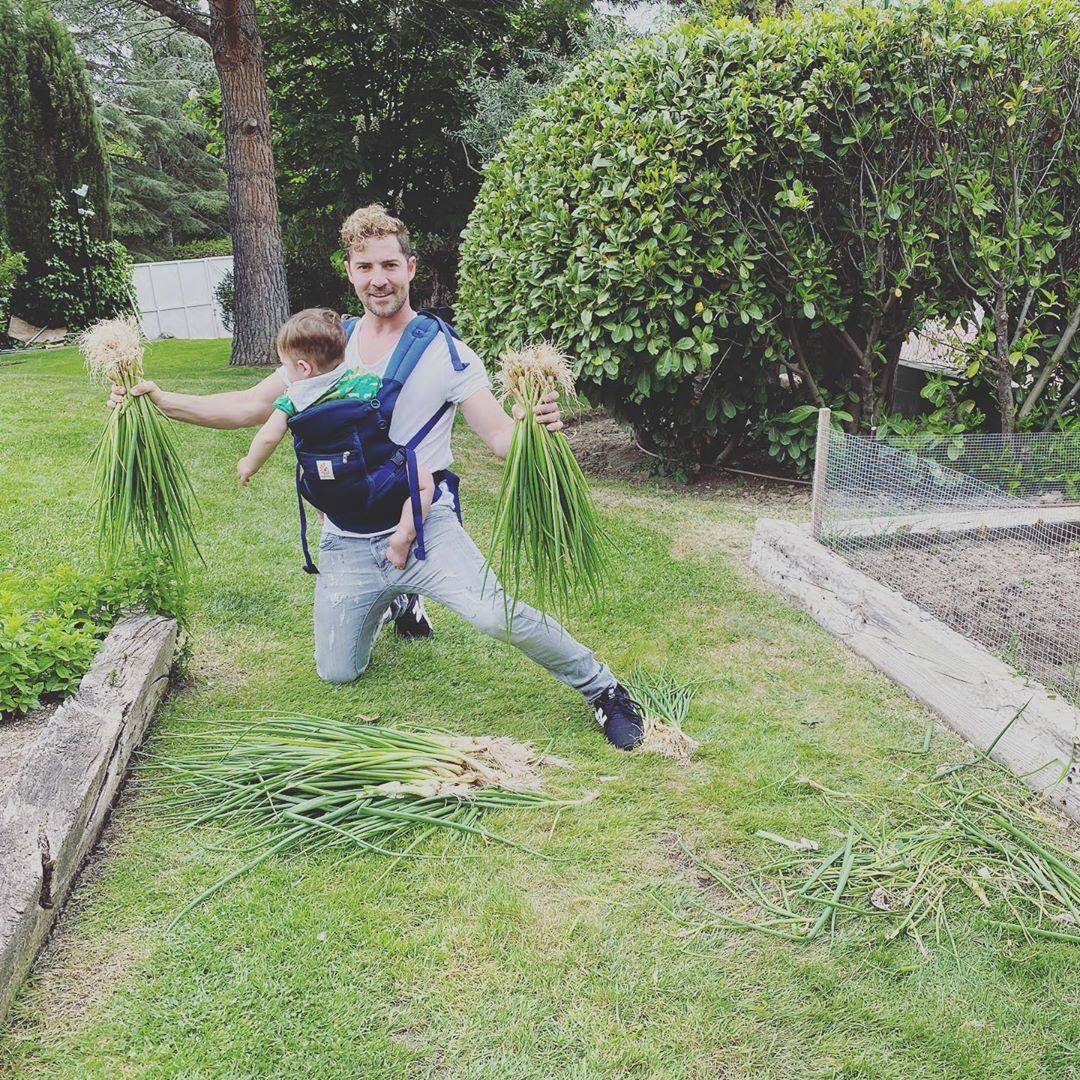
(183, 17)
(1065, 341)
(804, 367)
(1060, 410)
(1023, 317)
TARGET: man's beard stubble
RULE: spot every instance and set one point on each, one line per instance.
(398, 297)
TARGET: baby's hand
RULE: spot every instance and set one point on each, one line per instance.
(244, 471)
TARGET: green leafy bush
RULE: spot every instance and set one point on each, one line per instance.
(726, 223)
(50, 629)
(86, 279)
(225, 295)
(12, 266)
(209, 248)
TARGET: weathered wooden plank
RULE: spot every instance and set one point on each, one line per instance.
(61, 796)
(974, 692)
(941, 522)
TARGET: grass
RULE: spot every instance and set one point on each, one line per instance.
(498, 965)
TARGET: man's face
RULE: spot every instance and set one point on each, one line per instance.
(380, 274)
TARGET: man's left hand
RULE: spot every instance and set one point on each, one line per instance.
(546, 411)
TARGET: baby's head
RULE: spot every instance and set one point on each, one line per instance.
(311, 342)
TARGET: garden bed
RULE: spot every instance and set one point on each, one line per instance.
(1010, 592)
(1021, 722)
(64, 771)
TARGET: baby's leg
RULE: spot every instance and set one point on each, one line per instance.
(401, 539)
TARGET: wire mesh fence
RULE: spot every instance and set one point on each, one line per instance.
(981, 530)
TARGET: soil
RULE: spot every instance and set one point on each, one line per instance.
(16, 738)
(1014, 593)
(606, 449)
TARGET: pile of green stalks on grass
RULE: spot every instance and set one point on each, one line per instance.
(962, 834)
(546, 526)
(144, 498)
(285, 782)
(664, 702)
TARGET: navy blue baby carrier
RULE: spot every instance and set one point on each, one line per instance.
(348, 467)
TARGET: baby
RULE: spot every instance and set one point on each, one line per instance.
(311, 346)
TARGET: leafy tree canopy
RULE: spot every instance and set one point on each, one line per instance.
(168, 188)
(367, 99)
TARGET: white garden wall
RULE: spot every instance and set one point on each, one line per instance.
(176, 299)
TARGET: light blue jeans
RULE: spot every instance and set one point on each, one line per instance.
(356, 584)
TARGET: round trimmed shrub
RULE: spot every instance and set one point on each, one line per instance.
(726, 223)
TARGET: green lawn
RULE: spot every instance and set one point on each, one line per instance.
(497, 964)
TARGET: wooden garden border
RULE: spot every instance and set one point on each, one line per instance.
(974, 692)
(938, 524)
(60, 798)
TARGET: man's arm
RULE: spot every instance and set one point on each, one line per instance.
(232, 409)
(490, 421)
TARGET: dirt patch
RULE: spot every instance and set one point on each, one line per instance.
(706, 539)
(606, 449)
(1013, 593)
(672, 846)
(16, 738)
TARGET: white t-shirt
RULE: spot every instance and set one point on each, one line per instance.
(433, 382)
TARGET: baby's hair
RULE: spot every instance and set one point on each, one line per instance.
(315, 335)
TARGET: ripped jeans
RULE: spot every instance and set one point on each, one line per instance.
(356, 584)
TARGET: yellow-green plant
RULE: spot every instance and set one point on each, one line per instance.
(144, 498)
(546, 526)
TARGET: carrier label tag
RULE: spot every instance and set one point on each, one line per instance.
(326, 470)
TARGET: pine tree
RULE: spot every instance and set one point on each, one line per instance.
(231, 28)
(53, 148)
(14, 105)
(70, 147)
(167, 189)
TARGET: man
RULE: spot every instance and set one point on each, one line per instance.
(357, 590)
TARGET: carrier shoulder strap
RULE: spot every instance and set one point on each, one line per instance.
(450, 334)
(412, 344)
(415, 338)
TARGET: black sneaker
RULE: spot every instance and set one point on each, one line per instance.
(617, 714)
(410, 618)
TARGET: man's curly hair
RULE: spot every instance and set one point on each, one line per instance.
(371, 222)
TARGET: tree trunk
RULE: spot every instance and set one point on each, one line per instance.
(262, 301)
(1004, 368)
(863, 373)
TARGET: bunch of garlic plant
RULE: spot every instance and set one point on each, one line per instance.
(144, 498)
(546, 526)
(664, 702)
(311, 782)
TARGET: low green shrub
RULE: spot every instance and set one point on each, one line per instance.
(50, 628)
(225, 295)
(12, 267)
(209, 248)
(85, 279)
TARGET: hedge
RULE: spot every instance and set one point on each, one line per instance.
(726, 223)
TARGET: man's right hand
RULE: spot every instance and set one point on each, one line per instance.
(116, 395)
